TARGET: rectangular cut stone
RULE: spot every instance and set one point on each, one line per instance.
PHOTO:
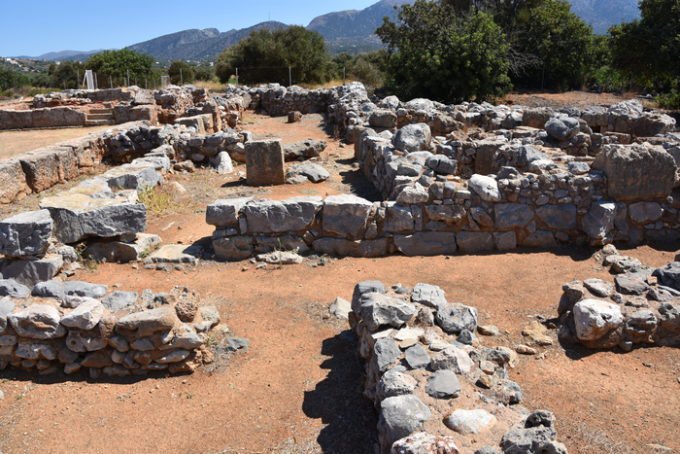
(49, 167)
(224, 213)
(265, 163)
(30, 272)
(638, 172)
(13, 184)
(272, 216)
(26, 234)
(91, 210)
(346, 216)
(426, 244)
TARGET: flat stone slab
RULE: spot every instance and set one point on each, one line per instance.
(122, 251)
(93, 210)
(30, 272)
(175, 253)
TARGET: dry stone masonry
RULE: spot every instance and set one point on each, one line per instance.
(73, 326)
(472, 178)
(640, 308)
(435, 386)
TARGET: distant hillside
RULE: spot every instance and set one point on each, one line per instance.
(602, 14)
(344, 31)
(354, 30)
(197, 44)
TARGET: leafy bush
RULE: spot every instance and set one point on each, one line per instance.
(115, 66)
(265, 56)
(205, 73)
(66, 74)
(367, 68)
(554, 44)
(671, 100)
(648, 51)
(439, 52)
(181, 72)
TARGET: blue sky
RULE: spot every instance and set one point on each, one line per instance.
(39, 26)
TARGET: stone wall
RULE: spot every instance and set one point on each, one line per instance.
(530, 211)
(640, 308)
(73, 326)
(435, 386)
(277, 101)
(56, 117)
(41, 169)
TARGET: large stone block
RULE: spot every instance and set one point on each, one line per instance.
(426, 244)
(512, 215)
(638, 172)
(123, 251)
(346, 216)
(271, 216)
(265, 163)
(345, 248)
(232, 248)
(49, 167)
(413, 137)
(139, 175)
(13, 185)
(558, 217)
(225, 213)
(26, 234)
(474, 242)
(78, 215)
(30, 272)
(598, 223)
(38, 321)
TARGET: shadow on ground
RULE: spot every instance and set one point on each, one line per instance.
(339, 402)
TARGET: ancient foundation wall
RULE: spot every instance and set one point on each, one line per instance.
(543, 212)
(639, 307)
(62, 117)
(73, 326)
(41, 169)
(436, 387)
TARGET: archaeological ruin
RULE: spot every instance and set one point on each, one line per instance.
(444, 180)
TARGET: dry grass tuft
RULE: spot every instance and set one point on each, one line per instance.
(158, 199)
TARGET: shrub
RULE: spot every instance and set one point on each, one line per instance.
(181, 72)
(265, 56)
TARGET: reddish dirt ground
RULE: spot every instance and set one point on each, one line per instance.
(570, 98)
(298, 387)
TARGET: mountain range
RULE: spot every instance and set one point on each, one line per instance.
(350, 31)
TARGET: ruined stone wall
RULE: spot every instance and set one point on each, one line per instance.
(436, 387)
(41, 169)
(73, 326)
(640, 307)
(530, 211)
(56, 117)
(277, 101)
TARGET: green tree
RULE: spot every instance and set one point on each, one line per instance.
(368, 68)
(117, 65)
(204, 72)
(442, 51)
(12, 79)
(181, 72)
(554, 43)
(648, 50)
(265, 56)
(66, 74)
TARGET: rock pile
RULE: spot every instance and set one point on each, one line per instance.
(641, 307)
(73, 326)
(437, 389)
